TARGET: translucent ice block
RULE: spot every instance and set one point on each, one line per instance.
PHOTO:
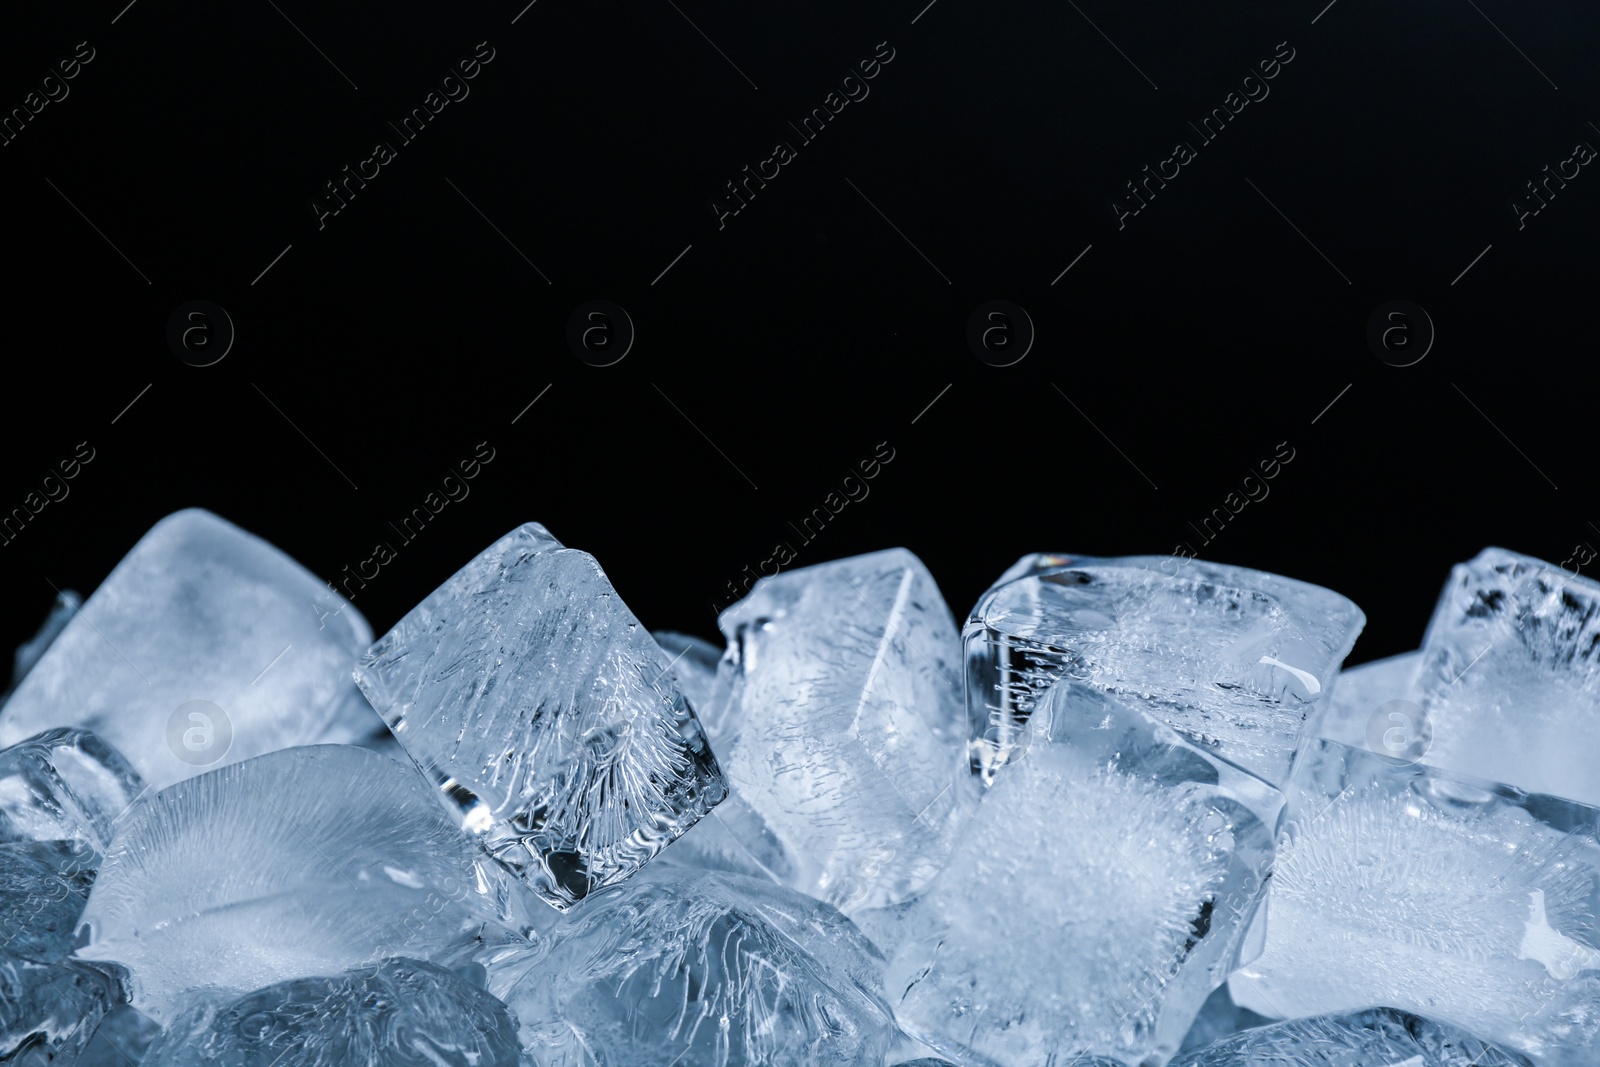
(64, 785)
(698, 969)
(1376, 1038)
(1235, 659)
(694, 664)
(48, 1011)
(1510, 676)
(397, 1012)
(1401, 885)
(205, 645)
(1375, 706)
(548, 714)
(298, 863)
(1099, 895)
(846, 723)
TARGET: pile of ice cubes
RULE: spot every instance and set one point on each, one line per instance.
(1129, 813)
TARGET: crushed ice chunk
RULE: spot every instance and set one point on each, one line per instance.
(845, 724)
(1433, 892)
(1376, 1038)
(1098, 896)
(277, 868)
(203, 618)
(548, 714)
(698, 969)
(1235, 659)
(399, 1011)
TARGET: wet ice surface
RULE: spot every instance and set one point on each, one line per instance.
(1096, 899)
(299, 863)
(199, 610)
(394, 1012)
(1235, 659)
(844, 724)
(698, 969)
(548, 714)
(1377, 1038)
(1458, 899)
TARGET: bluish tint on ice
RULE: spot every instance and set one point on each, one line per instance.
(1099, 895)
(548, 714)
(1219, 1017)
(198, 610)
(1402, 885)
(1235, 659)
(844, 723)
(694, 664)
(698, 969)
(121, 1039)
(64, 785)
(397, 1012)
(1366, 700)
(48, 1011)
(1376, 1038)
(299, 863)
(62, 609)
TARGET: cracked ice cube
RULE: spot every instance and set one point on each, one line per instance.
(1100, 893)
(1510, 676)
(529, 692)
(199, 617)
(1235, 659)
(844, 723)
(1428, 891)
(298, 863)
(698, 969)
(399, 1011)
(1365, 1039)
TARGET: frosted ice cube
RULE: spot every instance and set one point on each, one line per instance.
(846, 727)
(48, 1011)
(1098, 896)
(200, 618)
(1366, 1039)
(1510, 676)
(698, 969)
(1375, 706)
(1235, 659)
(297, 863)
(543, 708)
(1426, 891)
(400, 1011)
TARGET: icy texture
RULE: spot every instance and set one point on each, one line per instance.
(846, 721)
(1400, 885)
(199, 610)
(398, 1012)
(298, 863)
(48, 1011)
(1365, 698)
(548, 714)
(121, 1040)
(64, 785)
(62, 609)
(1097, 898)
(694, 664)
(1220, 1017)
(1510, 676)
(698, 969)
(1234, 659)
(1376, 1038)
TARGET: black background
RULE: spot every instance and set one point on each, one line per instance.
(778, 351)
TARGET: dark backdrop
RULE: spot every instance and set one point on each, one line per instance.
(777, 349)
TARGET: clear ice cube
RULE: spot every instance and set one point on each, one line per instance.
(64, 785)
(399, 1011)
(1235, 659)
(1100, 893)
(1510, 676)
(1402, 885)
(1375, 706)
(844, 723)
(1365, 1039)
(49, 1011)
(201, 619)
(694, 664)
(548, 714)
(298, 863)
(698, 969)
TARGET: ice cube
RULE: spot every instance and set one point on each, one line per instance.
(1098, 896)
(845, 723)
(694, 664)
(1236, 659)
(205, 645)
(548, 714)
(1219, 1017)
(698, 969)
(121, 1039)
(298, 863)
(1374, 706)
(64, 785)
(399, 1011)
(49, 1011)
(1402, 885)
(1380, 1036)
(1510, 676)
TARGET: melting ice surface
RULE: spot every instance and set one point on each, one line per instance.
(1234, 659)
(544, 709)
(199, 610)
